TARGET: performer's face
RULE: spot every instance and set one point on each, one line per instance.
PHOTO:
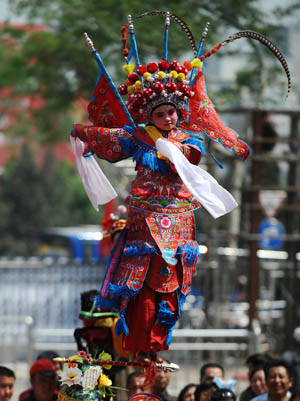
(164, 117)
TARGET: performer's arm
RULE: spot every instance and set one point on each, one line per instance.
(191, 151)
(106, 143)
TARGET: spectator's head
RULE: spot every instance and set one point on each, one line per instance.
(43, 379)
(255, 360)
(211, 370)
(162, 379)
(135, 384)
(50, 355)
(279, 378)
(204, 390)
(257, 379)
(187, 393)
(7, 381)
(223, 394)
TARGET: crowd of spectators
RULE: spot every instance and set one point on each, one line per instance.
(269, 380)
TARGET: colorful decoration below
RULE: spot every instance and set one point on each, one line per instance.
(83, 380)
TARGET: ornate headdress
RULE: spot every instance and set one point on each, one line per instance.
(157, 83)
(148, 86)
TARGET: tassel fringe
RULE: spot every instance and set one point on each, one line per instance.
(168, 319)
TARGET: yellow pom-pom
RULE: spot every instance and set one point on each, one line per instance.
(196, 63)
(181, 76)
(128, 68)
(138, 84)
(174, 74)
(147, 75)
(161, 75)
(131, 89)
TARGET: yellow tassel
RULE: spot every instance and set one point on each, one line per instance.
(128, 68)
(174, 74)
(153, 133)
(196, 63)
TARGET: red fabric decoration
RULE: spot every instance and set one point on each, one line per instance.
(203, 117)
(141, 320)
(104, 110)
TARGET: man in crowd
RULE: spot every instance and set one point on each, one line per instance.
(43, 381)
(254, 361)
(211, 370)
(161, 382)
(7, 381)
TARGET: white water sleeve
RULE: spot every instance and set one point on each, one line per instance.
(212, 196)
(97, 187)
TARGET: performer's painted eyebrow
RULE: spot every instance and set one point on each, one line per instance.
(159, 114)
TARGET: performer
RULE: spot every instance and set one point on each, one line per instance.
(150, 269)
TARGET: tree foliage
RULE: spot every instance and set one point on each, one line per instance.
(33, 197)
(54, 62)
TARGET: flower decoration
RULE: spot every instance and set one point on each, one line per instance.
(83, 379)
(71, 376)
(104, 381)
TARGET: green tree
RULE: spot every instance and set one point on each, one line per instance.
(55, 63)
(34, 197)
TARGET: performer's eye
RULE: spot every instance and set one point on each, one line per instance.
(171, 111)
(159, 115)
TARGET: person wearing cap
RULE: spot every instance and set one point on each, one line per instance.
(7, 382)
(43, 379)
(292, 357)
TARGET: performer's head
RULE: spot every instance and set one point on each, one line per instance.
(154, 85)
(164, 116)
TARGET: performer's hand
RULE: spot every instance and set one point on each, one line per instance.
(78, 132)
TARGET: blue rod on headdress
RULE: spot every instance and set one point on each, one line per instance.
(133, 41)
(166, 36)
(112, 86)
(199, 53)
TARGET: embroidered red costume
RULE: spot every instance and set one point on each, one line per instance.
(150, 270)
